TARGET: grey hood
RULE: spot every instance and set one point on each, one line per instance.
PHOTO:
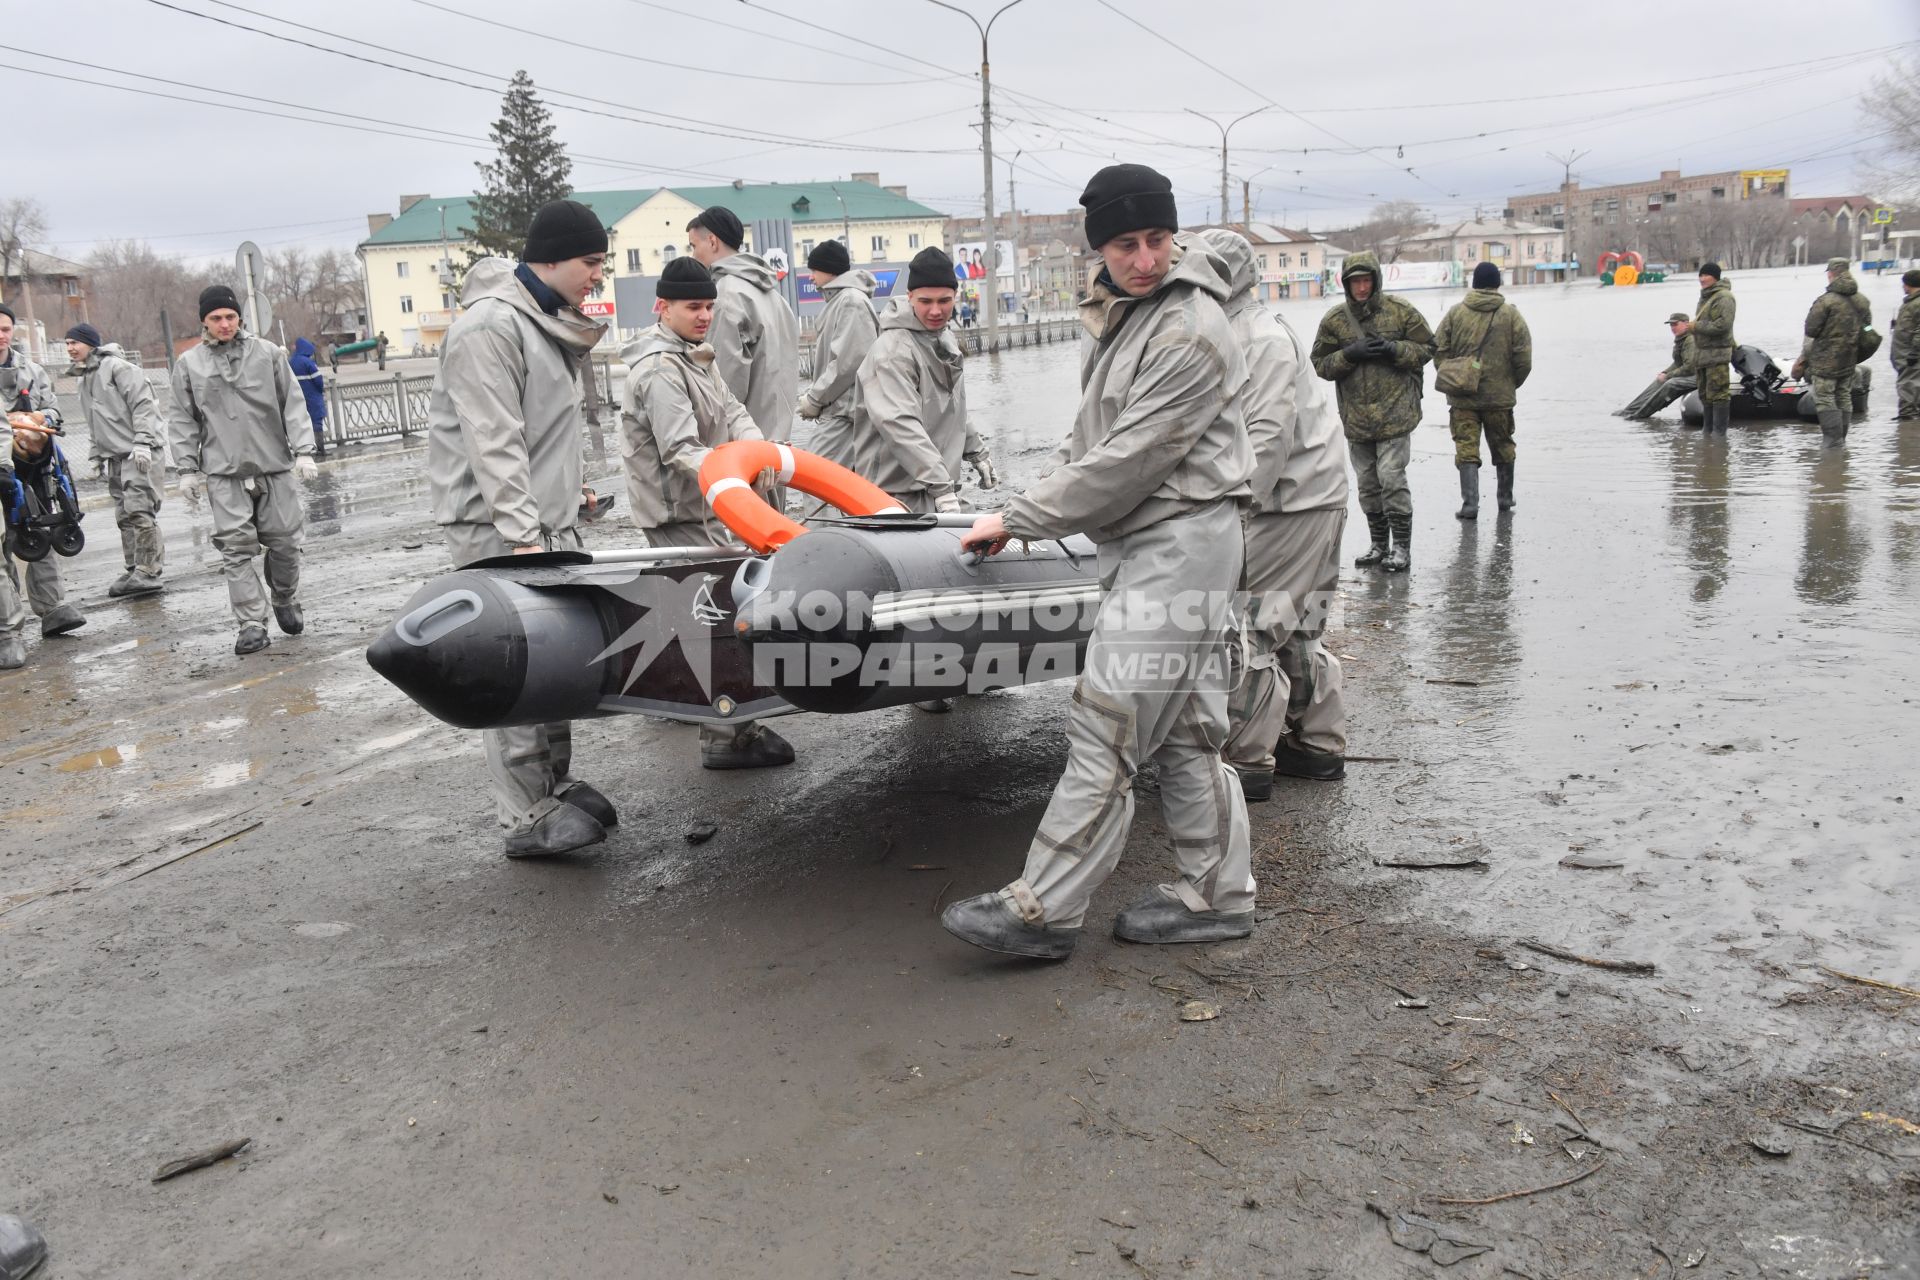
(494, 278)
(1194, 264)
(749, 267)
(862, 280)
(661, 340)
(1236, 254)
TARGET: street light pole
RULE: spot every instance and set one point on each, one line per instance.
(986, 161)
(1566, 200)
(1225, 215)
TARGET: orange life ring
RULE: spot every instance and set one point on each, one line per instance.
(726, 482)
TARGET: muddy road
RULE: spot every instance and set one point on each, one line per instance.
(262, 898)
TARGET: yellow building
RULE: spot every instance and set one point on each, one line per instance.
(410, 264)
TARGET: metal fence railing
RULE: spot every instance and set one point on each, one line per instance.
(384, 407)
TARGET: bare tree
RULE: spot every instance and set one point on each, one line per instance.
(23, 224)
(1893, 103)
(309, 289)
(131, 286)
(1387, 223)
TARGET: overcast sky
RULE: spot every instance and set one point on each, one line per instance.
(1455, 106)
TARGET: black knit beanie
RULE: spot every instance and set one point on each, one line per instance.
(685, 279)
(831, 258)
(931, 269)
(217, 297)
(84, 333)
(723, 222)
(1486, 276)
(564, 230)
(1127, 197)
(1911, 279)
(1710, 269)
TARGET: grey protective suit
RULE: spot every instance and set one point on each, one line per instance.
(756, 342)
(1292, 686)
(912, 415)
(504, 466)
(677, 409)
(117, 403)
(238, 417)
(43, 588)
(842, 339)
(1156, 471)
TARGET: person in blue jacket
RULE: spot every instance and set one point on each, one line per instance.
(307, 370)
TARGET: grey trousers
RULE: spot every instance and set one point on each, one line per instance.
(697, 535)
(1185, 572)
(43, 590)
(1292, 685)
(136, 501)
(262, 513)
(1908, 389)
(1380, 473)
(528, 765)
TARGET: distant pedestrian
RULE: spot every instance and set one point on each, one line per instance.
(846, 330)
(1906, 348)
(129, 450)
(1483, 353)
(755, 337)
(240, 436)
(1835, 328)
(1372, 347)
(1713, 345)
(314, 387)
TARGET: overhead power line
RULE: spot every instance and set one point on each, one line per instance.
(655, 119)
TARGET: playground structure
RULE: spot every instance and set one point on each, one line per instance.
(1626, 269)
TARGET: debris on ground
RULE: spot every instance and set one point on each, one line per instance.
(211, 1156)
(1444, 1242)
(702, 832)
(1597, 962)
(1199, 1011)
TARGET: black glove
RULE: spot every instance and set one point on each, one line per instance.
(6, 477)
(1379, 348)
(1359, 349)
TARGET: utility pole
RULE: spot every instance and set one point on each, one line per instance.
(992, 308)
(1013, 215)
(1566, 200)
(1224, 130)
(1246, 201)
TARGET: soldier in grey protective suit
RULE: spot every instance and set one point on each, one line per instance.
(21, 377)
(1156, 472)
(842, 337)
(912, 415)
(677, 409)
(1287, 714)
(504, 466)
(755, 337)
(240, 435)
(129, 450)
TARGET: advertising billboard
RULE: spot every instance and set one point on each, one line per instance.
(970, 262)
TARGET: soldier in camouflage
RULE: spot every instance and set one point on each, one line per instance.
(1831, 350)
(1713, 346)
(1372, 348)
(1673, 382)
(1491, 330)
(1906, 348)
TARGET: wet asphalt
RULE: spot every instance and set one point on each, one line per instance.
(263, 898)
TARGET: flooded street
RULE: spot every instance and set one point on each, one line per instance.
(264, 898)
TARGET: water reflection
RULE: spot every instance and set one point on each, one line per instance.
(1474, 636)
(1834, 551)
(1904, 507)
(1700, 510)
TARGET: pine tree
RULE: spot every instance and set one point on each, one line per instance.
(531, 169)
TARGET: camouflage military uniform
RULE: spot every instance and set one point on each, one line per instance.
(1833, 330)
(1379, 399)
(1713, 343)
(1906, 356)
(1486, 325)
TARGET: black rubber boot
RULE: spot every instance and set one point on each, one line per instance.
(252, 639)
(1377, 526)
(13, 654)
(1400, 559)
(1293, 761)
(1718, 417)
(589, 801)
(757, 747)
(1504, 470)
(1256, 785)
(65, 618)
(1833, 427)
(989, 922)
(1469, 491)
(290, 617)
